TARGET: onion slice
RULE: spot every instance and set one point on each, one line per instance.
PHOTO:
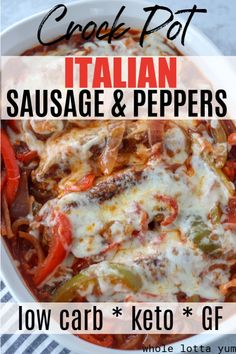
(110, 153)
(21, 205)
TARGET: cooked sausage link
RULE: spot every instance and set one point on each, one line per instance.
(107, 189)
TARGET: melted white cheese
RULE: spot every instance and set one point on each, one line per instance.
(180, 266)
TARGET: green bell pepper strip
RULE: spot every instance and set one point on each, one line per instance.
(200, 234)
(68, 291)
(130, 278)
(117, 274)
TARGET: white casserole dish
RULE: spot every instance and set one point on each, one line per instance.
(22, 36)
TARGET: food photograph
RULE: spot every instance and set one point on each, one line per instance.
(117, 210)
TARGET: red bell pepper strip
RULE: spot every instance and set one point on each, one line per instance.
(11, 166)
(3, 180)
(82, 185)
(13, 124)
(58, 249)
(172, 204)
(229, 169)
(27, 157)
(232, 139)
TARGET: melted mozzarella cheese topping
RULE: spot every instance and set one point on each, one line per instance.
(172, 266)
(167, 262)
